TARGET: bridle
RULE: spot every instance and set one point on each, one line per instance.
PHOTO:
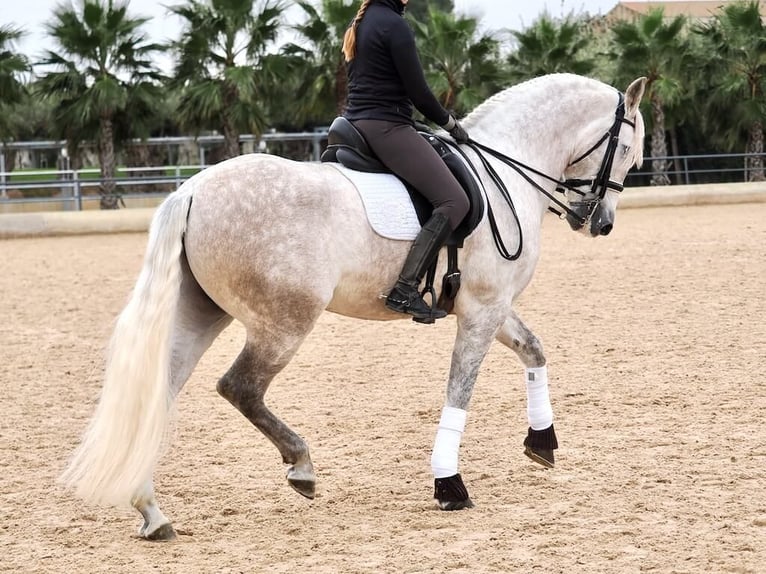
(601, 183)
(598, 185)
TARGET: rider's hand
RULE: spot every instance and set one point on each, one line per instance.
(459, 134)
(456, 131)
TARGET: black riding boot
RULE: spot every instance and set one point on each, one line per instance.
(405, 296)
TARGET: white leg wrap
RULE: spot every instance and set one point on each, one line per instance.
(447, 445)
(539, 410)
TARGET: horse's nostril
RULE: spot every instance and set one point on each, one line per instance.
(606, 229)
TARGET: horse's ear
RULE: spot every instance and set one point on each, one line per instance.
(633, 96)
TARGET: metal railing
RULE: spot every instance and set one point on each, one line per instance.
(69, 188)
(692, 169)
(72, 186)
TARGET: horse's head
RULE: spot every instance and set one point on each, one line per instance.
(598, 168)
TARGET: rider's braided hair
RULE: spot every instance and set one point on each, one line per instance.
(349, 38)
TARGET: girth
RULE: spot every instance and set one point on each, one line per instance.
(347, 146)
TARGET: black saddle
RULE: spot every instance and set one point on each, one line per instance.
(347, 146)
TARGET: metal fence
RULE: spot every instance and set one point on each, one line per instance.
(693, 169)
(69, 188)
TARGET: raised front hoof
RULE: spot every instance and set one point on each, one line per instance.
(541, 456)
(540, 444)
(451, 494)
(163, 533)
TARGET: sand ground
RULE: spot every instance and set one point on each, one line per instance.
(656, 344)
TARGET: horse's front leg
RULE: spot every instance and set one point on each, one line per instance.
(541, 437)
(474, 337)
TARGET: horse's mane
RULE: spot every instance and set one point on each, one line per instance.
(539, 83)
(564, 84)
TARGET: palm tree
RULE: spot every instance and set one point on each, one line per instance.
(462, 68)
(420, 9)
(223, 68)
(653, 48)
(736, 49)
(319, 63)
(102, 67)
(550, 46)
(12, 89)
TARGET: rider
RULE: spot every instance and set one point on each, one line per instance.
(385, 80)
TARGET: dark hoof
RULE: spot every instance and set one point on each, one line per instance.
(303, 487)
(444, 505)
(451, 494)
(541, 456)
(164, 533)
(540, 444)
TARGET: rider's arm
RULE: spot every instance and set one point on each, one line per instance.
(405, 56)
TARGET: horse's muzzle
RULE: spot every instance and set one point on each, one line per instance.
(601, 221)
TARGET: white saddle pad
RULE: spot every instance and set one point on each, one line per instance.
(386, 201)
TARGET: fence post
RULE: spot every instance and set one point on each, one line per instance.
(76, 189)
(3, 191)
(317, 151)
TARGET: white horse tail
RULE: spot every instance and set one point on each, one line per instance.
(114, 462)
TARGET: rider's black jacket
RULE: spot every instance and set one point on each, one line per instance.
(385, 78)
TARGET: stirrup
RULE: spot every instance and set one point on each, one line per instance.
(406, 299)
(436, 312)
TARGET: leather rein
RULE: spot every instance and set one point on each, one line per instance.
(598, 185)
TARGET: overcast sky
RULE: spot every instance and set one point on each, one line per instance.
(492, 14)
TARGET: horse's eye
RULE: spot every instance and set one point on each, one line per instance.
(624, 149)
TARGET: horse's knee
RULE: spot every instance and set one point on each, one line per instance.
(530, 351)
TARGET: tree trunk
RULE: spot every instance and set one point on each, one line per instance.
(449, 98)
(230, 131)
(677, 165)
(341, 86)
(110, 198)
(659, 146)
(231, 139)
(10, 160)
(754, 163)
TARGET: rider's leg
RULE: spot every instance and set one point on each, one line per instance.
(411, 157)
(405, 297)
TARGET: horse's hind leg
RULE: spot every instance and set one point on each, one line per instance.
(541, 437)
(244, 386)
(198, 322)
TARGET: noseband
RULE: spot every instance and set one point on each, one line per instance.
(599, 184)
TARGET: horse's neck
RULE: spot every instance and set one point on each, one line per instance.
(538, 124)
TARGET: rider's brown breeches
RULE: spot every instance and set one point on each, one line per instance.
(411, 157)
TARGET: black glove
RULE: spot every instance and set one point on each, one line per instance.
(456, 131)
(459, 134)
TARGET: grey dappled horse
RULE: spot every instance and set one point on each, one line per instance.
(274, 243)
